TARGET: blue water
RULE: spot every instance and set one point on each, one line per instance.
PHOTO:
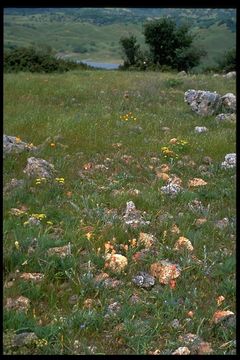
(100, 64)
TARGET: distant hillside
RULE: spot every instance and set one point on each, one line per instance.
(94, 33)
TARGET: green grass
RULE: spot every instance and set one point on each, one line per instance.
(84, 107)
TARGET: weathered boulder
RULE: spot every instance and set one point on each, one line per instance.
(182, 73)
(229, 102)
(230, 75)
(39, 168)
(203, 102)
(229, 162)
(226, 117)
(200, 129)
(13, 144)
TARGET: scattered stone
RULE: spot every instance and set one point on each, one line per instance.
(181, 351)
(222, 224)
(165, 271)
(216, 75)
(230, 75)
(113, 309)
(36, 277)
(116, 262)
(147, 240)
(171, 189)
(13, 184)
(229, 162)
(133, 216)
(196, 206)
(13, 144)
(175, 324)
(229, 102)
(204, 103)
(137, 129)
(183, 243)
(25, 338)
(39, 168)
(226, 117)
(207, 160)
(33, 221)
(221, 316)
(143, 280)
(165, 128)
(61, 251)
(182, 73)
(200, 129)
(21, 303)
(196, 182)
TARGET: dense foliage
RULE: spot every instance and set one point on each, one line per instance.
(228, 61)
(169, 45)
(36, 60)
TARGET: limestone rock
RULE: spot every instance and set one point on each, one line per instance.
(13, 144)
(133, 216)
(230, 75)
(229, 162)
(226, 117)
(39, 168)
(200, 129)
(144, 280)
(229, 102)
(25, 338)
(202, 102)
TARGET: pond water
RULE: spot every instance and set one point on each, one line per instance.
(101, 65)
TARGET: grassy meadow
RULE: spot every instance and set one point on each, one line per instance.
(103, 131)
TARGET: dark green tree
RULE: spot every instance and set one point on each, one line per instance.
(228, 61)
(130, 50)
(171, 45)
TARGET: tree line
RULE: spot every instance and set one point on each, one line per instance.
(170, 47)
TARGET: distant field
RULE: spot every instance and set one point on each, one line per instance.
(105, 133)
(100, 43)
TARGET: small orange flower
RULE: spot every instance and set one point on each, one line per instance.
(190, 313)
(53, 145)
(172, 283)
(69, 194)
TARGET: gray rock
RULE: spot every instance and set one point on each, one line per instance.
(171, 189)
(39, 168)
(25, 338)
(229, 162)
(204, 103)
(226, 117)
(229, 102)
(144, 280)
(12, 144)
(230, 75)
(182, 73)
(133, 216)
(200, 129)
(13, 184)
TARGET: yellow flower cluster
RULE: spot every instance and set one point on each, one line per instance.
(60, 180)
(41, 342)
(128, 116)
(167, 152)
(39, 216)
(39, 181)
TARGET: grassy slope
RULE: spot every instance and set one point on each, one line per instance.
(101, 42)
(85, 108)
